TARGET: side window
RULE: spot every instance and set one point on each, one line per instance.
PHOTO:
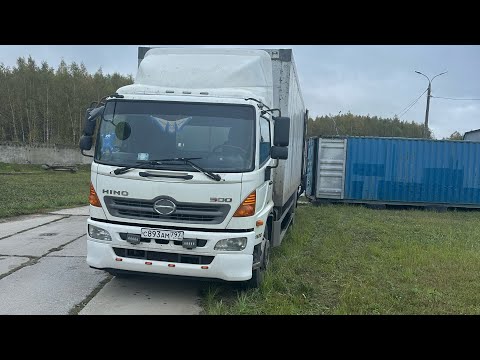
(264, 140)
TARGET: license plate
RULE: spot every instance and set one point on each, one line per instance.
(162, 234)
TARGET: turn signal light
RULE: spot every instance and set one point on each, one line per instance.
(247, 207)
(93, 198)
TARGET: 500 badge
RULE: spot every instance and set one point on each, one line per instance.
(222, 200)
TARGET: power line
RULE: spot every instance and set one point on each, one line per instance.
(440, 97)
(409, 107)
(409, 104)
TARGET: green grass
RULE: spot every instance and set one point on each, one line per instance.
(341, 259)
(27, 193)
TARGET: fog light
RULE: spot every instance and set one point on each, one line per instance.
(233, 244)
(98, 233)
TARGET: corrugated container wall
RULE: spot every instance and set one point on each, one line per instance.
(288, 98)
(397, 170)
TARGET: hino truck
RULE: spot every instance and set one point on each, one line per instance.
(198, 165)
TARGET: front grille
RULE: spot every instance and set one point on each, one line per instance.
(163, 256)
(184, 213)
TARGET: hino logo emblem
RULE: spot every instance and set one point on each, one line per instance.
(164, 206)
(115, 192)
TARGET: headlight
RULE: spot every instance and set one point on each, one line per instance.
(233, 244)
(98, 233)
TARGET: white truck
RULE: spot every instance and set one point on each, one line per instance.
(198, 165)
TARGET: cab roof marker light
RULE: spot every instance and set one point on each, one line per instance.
(148, 263)
(171, 265)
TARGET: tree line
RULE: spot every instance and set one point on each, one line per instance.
(359, 125)
(40, 104)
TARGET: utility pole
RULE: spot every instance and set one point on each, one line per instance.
(425, 129)
(429, 91)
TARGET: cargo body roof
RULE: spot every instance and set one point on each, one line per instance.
(223, 72)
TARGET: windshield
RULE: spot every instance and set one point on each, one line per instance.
(220, 135)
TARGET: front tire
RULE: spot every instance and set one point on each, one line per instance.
(258, 274)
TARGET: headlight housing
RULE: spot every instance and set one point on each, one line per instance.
(98, 233)
(232, 244)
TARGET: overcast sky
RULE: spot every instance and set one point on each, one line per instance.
(374, 79)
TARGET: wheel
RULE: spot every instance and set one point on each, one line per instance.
(258, 274)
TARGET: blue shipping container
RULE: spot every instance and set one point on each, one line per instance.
(399, 170)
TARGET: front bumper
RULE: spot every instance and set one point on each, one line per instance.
(226, 265)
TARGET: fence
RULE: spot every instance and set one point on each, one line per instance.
(19, 153)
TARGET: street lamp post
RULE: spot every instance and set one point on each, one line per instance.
(429, 90)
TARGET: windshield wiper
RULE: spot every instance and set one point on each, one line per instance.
(123, 170)
(188, 161)
(146, 174)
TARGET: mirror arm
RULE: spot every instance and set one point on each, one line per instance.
(265, 117)
(271, 110)
(86, 154)
(276, 165)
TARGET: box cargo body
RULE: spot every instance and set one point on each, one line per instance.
(288, 98)
(394, 171)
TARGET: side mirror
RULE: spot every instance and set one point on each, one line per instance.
(86, 142)
(281, 136)
(89, 128)
(90, 123)
(279, 152)
(93, 114)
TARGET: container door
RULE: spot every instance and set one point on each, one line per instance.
(331, 168)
